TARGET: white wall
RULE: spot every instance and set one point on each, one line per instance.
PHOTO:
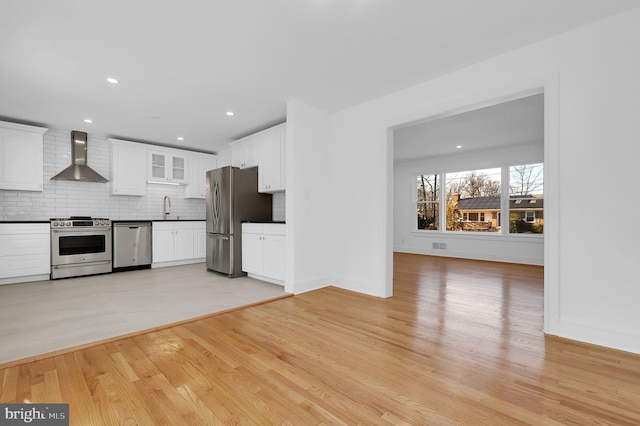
(307, 211)
(506, 248)
(591, 155)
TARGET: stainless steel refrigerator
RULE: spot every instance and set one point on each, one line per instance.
(232, 198)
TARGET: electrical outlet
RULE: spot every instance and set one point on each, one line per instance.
(436, 246)
(443, 246)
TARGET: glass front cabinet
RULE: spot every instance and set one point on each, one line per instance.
(167, 167)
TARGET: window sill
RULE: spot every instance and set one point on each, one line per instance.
(478, 235)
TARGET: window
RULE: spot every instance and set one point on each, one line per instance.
(471, 201)
(472, 196)
(526, 199)
(428, 191)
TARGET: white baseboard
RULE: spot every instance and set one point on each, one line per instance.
(471, 256)
(353, 285)
(309, 285)
(177, 263)
(27, 279)
(599, 336)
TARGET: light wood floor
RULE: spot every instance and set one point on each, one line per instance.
(460, 342)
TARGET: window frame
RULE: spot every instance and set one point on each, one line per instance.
(505, 198)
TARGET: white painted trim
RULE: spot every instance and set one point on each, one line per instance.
(547, 84)
(177, 263)
(267, 279)
(476, 256)
(26, 279)
(356, 286)
(310, 285)
(597, 335)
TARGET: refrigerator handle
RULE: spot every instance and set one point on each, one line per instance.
(216, 202)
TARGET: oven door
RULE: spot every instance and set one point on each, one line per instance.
(72, 246)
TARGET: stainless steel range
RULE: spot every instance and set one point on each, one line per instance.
(80, 245)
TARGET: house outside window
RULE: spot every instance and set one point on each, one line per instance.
(471, 201)
(474, 196)
(526, 199)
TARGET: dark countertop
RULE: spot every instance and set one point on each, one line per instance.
(157, 220)
(265, 221)
(25, 221)
(113, 221)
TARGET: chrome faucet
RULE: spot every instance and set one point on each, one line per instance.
(167, 212)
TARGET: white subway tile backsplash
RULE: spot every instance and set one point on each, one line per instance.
(66, 198)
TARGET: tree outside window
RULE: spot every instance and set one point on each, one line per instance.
(428, 187)
(526, 199)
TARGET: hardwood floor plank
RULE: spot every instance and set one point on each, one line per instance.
(460, 342)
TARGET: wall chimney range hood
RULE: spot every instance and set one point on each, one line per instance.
(78, 170)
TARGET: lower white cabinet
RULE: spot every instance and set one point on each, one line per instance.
(25, 252)
(177, 243)
(199, 240)
(264, 251)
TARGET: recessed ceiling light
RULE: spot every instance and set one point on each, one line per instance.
(88, 120)
(230, 113)
(180, 138)
(459, 147)
(112, 80)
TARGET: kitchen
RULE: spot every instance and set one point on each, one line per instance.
(176, 211)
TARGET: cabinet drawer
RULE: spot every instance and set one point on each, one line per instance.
(274, 229)
(253, 228)
(24, 228)
(27, 244)
(25, 265)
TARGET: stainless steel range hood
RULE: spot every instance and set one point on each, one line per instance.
(78, 170)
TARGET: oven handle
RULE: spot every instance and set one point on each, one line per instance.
(89, 230)
(75, 265)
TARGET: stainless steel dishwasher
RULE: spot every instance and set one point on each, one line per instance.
(131, 245)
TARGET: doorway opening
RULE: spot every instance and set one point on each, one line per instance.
(497, 134)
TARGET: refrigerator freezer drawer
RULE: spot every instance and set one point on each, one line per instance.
(220, 256)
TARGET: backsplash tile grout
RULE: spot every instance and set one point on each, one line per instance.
(66, 198)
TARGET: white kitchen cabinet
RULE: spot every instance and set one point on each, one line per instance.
(245, 152)
(25, 252)
(177, 243)
(167, 166)
(21, 157)
(199, 165)
(271, 176)
(199, 240)
(127, 175)
(264, 251)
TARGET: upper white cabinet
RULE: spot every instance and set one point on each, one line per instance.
(271, 168)
(127, 177)
(21, 157)
(167, 166)
(245, 152)
(199, 164)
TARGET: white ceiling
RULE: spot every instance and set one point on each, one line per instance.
(516, 122)
(183, 64)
